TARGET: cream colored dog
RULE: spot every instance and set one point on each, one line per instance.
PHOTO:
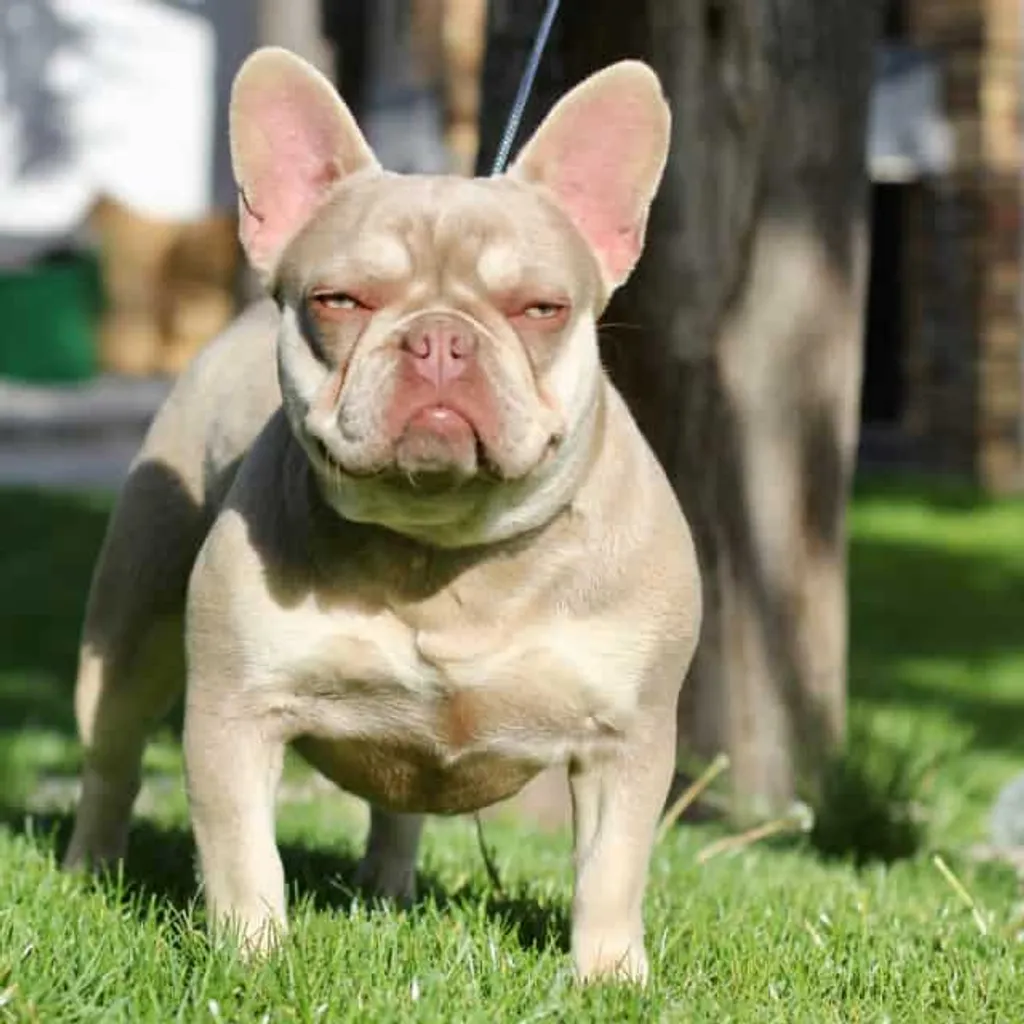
(447, 559)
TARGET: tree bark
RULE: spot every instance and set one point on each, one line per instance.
(738, 342)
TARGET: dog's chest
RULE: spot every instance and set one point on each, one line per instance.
(444, 709)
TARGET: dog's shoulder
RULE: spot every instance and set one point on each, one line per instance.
(262, 521)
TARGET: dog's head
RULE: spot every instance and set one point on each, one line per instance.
(438, 354)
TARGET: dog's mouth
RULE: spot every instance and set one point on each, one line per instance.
(434, 449)
(419, 471)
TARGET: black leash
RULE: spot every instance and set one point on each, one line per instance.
(515, 116)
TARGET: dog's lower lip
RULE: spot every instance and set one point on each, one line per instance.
(441, 415)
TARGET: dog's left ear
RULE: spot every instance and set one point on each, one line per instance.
(601, 153)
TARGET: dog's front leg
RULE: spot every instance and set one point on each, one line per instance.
(232, 769)
(616, 805)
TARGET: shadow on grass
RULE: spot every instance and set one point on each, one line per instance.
(915, 604)
(161, 864)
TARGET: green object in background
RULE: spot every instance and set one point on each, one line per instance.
(48, 318)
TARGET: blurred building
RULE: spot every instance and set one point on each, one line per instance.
(944, 371)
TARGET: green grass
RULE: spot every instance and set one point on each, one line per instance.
(773, 933)
(937, 636)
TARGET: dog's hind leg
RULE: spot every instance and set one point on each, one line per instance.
(131, 664)
(120, 697)
(388, 867)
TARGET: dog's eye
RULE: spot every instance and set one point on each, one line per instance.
(337, 300)
(543, 311)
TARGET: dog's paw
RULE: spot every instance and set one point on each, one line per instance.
(92, 849)
(610, 956)
(253, 937)
(390, 878)
(99, 838)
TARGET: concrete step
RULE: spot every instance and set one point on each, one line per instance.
(74, 435)
(102, 407)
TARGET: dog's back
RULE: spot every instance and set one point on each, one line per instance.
(217, 408)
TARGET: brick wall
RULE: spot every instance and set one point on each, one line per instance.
(966, 402)
(1000, 383)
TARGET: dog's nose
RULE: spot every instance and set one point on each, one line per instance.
(440, 348)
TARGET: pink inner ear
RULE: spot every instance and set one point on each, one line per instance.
(292, 158)
(599, 155)
(614, 234)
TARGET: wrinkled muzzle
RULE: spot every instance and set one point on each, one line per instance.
(438, 402)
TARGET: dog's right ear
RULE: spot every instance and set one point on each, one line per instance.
(600, 153)
(292, 141)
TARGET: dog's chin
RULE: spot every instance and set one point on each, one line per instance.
(433, 489)
(438, 449)
(432, 459)
(419, 462)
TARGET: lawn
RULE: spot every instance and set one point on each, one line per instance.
(771, 933)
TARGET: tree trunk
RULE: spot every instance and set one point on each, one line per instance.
(738, 344)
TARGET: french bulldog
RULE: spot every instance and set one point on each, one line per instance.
(397, 516)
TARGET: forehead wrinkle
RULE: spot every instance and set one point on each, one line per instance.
(474, 238)
(439, 233)
(409, 225)
(383, 260)
(458, 227)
